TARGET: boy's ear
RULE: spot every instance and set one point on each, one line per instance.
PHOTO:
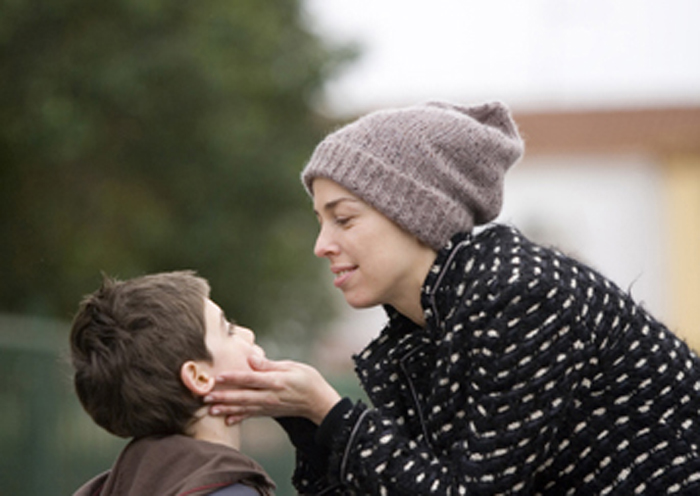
(197, 378)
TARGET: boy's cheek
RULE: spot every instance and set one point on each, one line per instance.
(224, 387)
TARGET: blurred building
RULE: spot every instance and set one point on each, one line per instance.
(617, 189)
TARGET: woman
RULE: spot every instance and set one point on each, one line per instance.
(505, 368)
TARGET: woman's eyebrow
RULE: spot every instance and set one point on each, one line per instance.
(334, 203)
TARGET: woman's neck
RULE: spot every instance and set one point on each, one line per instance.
(414, 312)
(410, 305)
(215, 430)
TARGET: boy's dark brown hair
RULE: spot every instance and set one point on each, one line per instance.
(129, 340)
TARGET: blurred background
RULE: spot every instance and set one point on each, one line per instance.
(142, 136)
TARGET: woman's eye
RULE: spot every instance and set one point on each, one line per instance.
(341, 221)
(231, 329)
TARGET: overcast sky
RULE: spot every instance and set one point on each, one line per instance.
(529, 53)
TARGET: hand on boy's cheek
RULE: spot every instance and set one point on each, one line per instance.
(257, 362)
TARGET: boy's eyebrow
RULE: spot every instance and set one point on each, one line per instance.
(225, 322)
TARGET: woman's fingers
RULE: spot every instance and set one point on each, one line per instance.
(221, 409)
(261, 363)
(259, 377)
(241, 398)
(273, 388)
(244, 380)
(237, 408)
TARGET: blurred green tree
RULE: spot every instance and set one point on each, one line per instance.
(148, 135)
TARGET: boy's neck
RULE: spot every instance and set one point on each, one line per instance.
(215, 430)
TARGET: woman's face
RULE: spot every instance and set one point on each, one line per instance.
(375, 262)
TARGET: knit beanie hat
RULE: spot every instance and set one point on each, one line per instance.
(434, 169)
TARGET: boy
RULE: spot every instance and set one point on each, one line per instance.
(145, 352)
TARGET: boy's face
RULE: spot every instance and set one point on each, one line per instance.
(229, 344)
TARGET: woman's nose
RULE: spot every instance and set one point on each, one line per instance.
(324, 245)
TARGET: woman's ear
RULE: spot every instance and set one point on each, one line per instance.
(197, 378)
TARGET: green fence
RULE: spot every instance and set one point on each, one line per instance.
(48, 445)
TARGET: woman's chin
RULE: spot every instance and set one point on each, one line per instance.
(359, 303)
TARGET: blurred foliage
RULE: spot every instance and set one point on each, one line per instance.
(144, 135)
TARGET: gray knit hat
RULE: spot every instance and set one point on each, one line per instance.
(434, 169)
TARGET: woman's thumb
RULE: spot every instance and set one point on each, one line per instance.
(258, 362)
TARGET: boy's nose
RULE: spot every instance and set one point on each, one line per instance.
(247, 333)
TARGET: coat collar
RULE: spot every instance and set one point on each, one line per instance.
(177, 464)
(438, 291)
(439, 294)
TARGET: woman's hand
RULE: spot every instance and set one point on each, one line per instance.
(272, 388)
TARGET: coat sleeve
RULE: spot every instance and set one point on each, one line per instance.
(502, 378)
(310, 474)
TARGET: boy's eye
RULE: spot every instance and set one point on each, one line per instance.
(231, 329)
(341, 221)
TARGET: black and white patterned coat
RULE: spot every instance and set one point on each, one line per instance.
(534, 375)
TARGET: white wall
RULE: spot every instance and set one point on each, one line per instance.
(605, 210)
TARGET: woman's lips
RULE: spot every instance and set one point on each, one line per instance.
(342, 275)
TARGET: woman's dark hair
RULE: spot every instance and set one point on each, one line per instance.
(129, 340)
